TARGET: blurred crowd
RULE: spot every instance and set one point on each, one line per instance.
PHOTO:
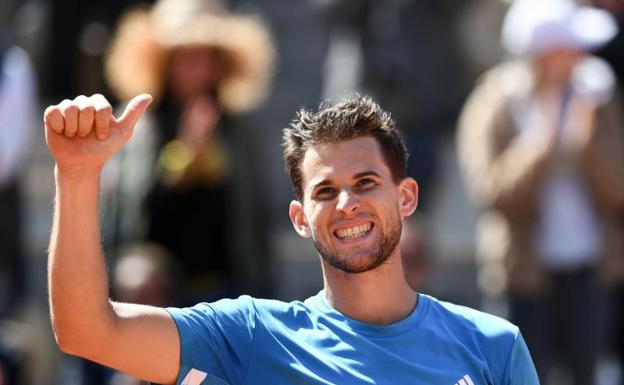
(511, 111)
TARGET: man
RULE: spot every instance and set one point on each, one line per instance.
(347, 164)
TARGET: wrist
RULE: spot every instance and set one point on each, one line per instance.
(77, 172)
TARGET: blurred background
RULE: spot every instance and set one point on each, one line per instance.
(420, 60)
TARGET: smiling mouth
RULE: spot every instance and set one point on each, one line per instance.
(354, 232)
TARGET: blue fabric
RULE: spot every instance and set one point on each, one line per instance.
(257, 341)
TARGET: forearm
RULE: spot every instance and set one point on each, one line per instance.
(78, 286)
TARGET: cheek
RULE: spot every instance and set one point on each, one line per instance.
(315, 222)
(318, 217)
(383, 201)
(389, 212)
(393, 217)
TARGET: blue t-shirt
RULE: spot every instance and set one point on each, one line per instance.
(258, 341)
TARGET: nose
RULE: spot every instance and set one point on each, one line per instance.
(347, 202)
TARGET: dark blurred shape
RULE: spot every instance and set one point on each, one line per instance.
(72, 63)
(542, 148)
(616, 7)
(416, 263)
(8, 369)
(18, 101)
(16, 356)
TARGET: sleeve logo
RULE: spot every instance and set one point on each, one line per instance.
(466, 380)
(194, 377)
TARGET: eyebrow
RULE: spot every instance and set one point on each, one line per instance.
(324, 182)
(359, 175)
(366, 173)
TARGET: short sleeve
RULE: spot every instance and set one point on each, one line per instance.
(520, 368)
(215, 340)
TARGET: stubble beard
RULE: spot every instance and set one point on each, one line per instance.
(386, 247)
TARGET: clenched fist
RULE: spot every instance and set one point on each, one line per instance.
(83, 133)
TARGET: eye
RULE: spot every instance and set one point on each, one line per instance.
(324, 193)
(365, 183)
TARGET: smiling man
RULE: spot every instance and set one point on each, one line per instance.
(367, 326)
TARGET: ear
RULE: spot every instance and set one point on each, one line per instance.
(298, 219)
(408, 196)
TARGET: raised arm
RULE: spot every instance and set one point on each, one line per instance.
(82, 135)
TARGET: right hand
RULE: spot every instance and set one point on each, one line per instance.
(83, 133)
(198, 123)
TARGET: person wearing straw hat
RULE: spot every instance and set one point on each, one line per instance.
(541, 146)
(176, 183)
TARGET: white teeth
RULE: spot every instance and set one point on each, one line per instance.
(354, 232)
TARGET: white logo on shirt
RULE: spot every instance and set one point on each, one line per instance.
(194, 377)
(466, 380)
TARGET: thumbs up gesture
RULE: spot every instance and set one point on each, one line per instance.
(83, 133)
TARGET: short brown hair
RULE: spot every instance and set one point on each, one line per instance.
(353, 118)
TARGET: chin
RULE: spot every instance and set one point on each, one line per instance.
(359, 256)
(354, 264)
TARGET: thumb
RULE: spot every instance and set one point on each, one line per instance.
(133, 112)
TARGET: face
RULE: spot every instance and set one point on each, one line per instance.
(193, 71)
(558, 64)
(352, 208)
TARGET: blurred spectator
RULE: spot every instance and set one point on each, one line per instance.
(187, 180)
(541, 145)
(18, 103)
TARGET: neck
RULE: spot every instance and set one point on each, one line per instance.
(380, 296)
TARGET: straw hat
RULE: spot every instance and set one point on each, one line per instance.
(533, 27)
(139, 51)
